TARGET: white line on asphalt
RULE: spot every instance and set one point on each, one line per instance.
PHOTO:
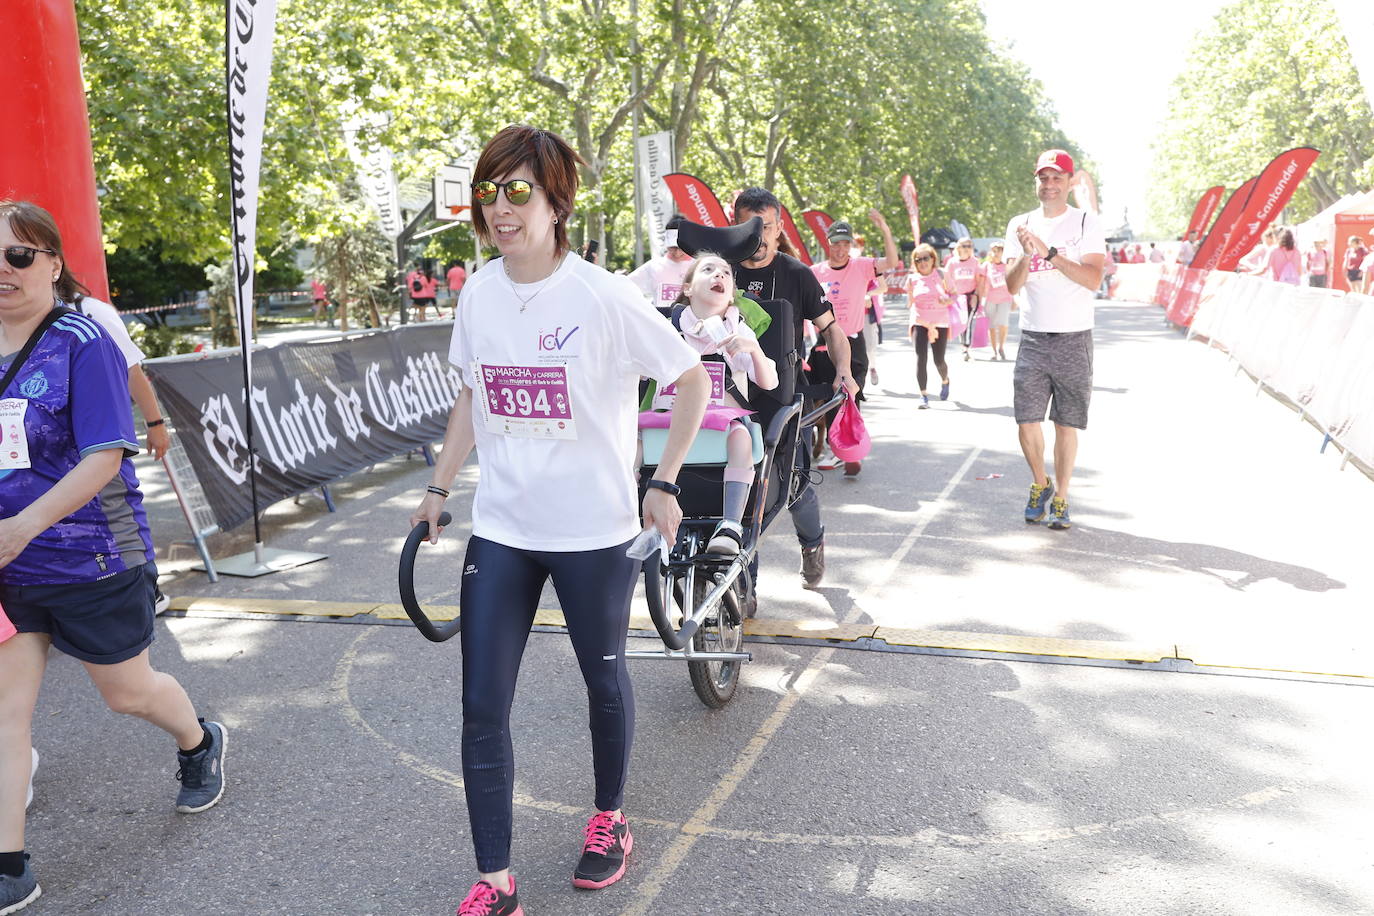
(700, 821)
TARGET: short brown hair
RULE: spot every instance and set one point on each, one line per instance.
(32, 224)
(553, 162)
(921, 249)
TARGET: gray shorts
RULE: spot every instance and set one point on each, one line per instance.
(999, 314)
(1054, 371)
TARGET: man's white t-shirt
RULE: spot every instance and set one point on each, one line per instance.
(107, 316)
(1054, 303)
(555, 402)
(660, 279)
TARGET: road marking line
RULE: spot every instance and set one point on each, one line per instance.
(700, 821)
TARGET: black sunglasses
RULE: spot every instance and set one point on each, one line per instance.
(21, 256)
(518, 191)
(924, 257)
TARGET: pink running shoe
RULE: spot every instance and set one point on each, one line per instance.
(485, 900)
(605, 851)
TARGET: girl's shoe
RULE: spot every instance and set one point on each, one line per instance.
(604, 852)
(925, 403)
(727, 540)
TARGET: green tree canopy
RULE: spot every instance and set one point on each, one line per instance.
(1266, 76)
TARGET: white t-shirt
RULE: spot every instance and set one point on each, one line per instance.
(660, 280)
(107, 316)
(1054, 303)
(555, 401)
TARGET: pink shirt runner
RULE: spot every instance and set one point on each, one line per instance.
(1285, 264)
(1318, 262)
(925, 301)
(997, 282)
(846, 289)
(963, 274)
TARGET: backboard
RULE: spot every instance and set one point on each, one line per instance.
(453, 194)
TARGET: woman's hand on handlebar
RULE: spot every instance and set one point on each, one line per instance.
(662, 512)
(428, 511)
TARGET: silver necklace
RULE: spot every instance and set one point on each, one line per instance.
(525, 301)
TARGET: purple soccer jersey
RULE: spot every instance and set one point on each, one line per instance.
(76, 384)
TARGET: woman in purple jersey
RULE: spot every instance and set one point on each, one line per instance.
(76, 559)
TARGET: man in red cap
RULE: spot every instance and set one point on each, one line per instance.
(1056, 253)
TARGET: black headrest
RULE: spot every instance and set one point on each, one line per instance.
(733, 243)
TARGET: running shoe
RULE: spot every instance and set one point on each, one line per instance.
(727, 539)
(604, 852)
(160, 602)
(1059, 514)
(944, 390)
(829, 463)
(1035, 506)
(813, 565)
(852, 469)
(17, 893)
(925, 403)
(33, 771)
(485, 900)
(202, 775)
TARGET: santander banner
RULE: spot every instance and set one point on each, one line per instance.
(913, 207)
(1270, 195)
(789, 229)
(695, 200)
(819, 221)
(1205, 209)
(1209, 252)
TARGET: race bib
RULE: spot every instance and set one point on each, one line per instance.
(14, 452)
(533, 402)
(668, 293)
(663, 399)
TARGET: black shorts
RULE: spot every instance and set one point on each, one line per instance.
(103, 622)
(822, 370)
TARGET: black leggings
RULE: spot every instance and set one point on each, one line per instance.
(501, 587)
(937, 346)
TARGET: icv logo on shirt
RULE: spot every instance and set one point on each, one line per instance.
(554, 341)
(35, 386)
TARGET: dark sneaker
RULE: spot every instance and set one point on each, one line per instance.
(485, 900)
(1059, 514)
(813, 565)
(160, 602)
(604, 852)
(727, 539)
(1039, 499)
(944, 391)
(17, 893)
(202, 775)
(852, 469)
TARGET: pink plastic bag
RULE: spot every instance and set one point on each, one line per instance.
(6, 628)
(980, 332)
(848, 435)
(958, 319)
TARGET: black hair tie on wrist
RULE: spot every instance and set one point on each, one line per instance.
(437, 491)
(158, 422)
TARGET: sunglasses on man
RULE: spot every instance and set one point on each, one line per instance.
(518, 191)
(21, 256)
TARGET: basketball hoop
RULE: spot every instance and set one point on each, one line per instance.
(455, 212)
(452, 194)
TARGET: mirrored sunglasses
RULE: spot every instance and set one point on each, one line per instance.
(518, 191)
(21, 256)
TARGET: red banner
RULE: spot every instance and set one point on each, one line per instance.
(46, 154)
(1204, 211)
(789, 229)
(695, 200)
(1270, 195)
(913, 207)
(1209, 252)
(819, 221)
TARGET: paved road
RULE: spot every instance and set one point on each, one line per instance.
(840, 779)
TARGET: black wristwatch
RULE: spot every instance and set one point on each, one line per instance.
(671, 489)
(1050, 255)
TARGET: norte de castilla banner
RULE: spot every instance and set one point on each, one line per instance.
(321, 410)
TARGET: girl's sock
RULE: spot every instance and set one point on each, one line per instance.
(737, 483)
